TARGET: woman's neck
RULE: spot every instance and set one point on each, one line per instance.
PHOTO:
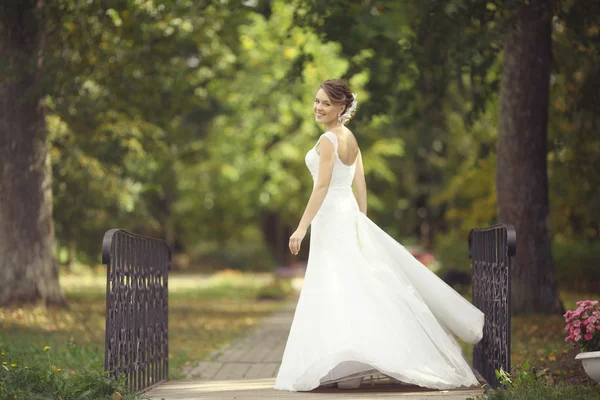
(330, 125)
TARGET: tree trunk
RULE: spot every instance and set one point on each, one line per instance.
(72, 254)
(28, 267)
(521, 178)
(277, 234)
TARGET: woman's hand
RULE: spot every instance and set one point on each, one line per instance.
(296, 240)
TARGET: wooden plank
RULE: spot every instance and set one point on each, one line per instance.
(252, 389)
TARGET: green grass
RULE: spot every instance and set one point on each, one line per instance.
(17, 382)
(205, 313)
(541, 390)
(540, 340)
(529, 383)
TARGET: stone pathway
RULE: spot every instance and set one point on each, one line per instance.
(247, 368)
(256, 355)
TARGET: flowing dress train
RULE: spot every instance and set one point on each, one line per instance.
(367, 304)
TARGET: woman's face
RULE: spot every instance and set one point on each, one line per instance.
(325, 111)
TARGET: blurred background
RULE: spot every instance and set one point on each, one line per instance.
(189, 121)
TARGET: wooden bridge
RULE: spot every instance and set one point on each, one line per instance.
(247, 369)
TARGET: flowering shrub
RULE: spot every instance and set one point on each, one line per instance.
(583, 325)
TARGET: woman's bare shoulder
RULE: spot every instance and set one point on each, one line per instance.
(351, 138)
(344, 133)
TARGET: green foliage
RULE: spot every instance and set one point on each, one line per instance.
(20, 379)
(524, 376)
(244, 255)
(190, 120)
(257, 156)
(68, 355)
(577, 264)
(279, 289)
(542, 391)
(470, 190)
(529, 384)
(452, 251)
(425, 91)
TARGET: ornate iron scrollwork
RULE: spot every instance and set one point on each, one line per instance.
(490, 251)
(137, 330)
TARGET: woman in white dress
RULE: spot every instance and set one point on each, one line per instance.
(367, 305)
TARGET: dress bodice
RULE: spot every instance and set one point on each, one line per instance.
(342, 174)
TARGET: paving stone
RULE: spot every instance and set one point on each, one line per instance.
(262, 370)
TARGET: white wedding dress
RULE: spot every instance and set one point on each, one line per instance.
(367, 304)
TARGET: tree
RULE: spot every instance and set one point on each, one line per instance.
(28, 269)
(417, 76)
(521, 177)
(574, 135)
(129, 112)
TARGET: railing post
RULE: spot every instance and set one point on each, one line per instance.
(491, 250)
(137, 308)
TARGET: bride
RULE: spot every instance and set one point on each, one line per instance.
(367, 305)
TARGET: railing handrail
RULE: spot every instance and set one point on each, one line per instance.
(109, 235)
(511, 237)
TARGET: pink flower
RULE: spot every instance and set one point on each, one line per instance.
(583, 322)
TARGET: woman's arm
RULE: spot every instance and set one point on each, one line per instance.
(326, 158)
(360, 185)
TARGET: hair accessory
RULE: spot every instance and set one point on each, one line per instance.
(347, 115)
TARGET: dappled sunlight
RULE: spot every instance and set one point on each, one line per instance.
(83, 283)
(205, 313)
(223, 386)
(201, 326)
(82, 316)
(178, 282)
(228, 277)
(263, 389)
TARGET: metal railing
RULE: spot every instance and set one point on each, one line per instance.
(137, 330)
(490, 251)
